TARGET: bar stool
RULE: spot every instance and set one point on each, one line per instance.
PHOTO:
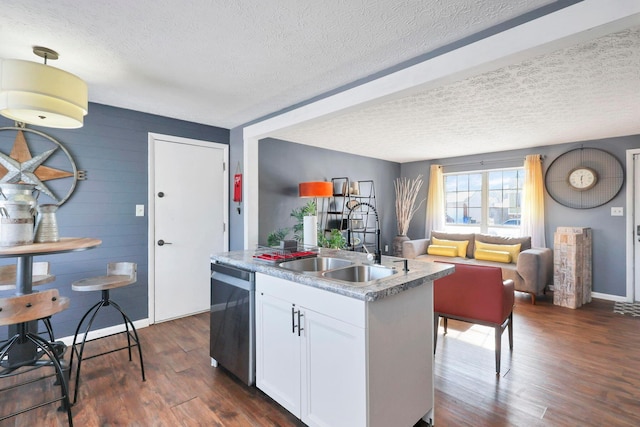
(19, 310)
(119, 274)
(40, 275)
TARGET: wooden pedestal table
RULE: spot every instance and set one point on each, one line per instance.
(572, 266)
(24, 284)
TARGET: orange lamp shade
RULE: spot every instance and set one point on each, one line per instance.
(315, 189)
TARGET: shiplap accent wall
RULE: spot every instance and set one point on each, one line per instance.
(112, 147)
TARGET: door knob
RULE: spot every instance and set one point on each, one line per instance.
(161, 194)
(162, 243)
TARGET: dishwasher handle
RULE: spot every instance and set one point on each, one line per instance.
(247, 285)
(232, 271)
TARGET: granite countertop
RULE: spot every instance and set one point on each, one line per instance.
(419, 273)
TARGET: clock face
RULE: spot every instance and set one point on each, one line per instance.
(582, 178)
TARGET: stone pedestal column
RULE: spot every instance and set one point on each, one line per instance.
(572, 266)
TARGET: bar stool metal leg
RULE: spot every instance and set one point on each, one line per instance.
(49, 350)
(18, 311)
(93, 311)
(74, 350)
(136, 340)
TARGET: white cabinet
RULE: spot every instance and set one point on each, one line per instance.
(337, 361)
(333, 372)
(312, 364)
(278, 352)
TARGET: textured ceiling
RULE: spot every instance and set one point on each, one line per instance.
(588, 91)
(226, 63)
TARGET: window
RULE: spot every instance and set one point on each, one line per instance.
(485, 202)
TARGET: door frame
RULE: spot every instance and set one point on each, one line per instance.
(631, 285)
(153, 137)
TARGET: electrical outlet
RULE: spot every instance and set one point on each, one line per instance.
(617, 211)
(139, 210)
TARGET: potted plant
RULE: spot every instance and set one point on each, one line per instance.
(406, 194)
(299, 213)
(335, 239)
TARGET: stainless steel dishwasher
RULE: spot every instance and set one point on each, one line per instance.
(232, 321)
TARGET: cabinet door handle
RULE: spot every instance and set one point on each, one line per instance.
(300, 328)
(293, 320)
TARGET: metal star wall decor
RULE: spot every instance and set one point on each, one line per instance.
(21, 167)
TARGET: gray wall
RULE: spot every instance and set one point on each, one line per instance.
(282, 165)
(609, 251)
(112, 148)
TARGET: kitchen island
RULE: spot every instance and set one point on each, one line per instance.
(336, 352)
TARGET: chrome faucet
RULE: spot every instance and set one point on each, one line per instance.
(378, 252)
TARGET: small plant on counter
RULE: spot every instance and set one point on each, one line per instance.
(274, 238)
(335, 240)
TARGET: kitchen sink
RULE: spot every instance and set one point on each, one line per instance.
(315, 264)
(360, 273)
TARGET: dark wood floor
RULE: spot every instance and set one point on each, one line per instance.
(568, 368)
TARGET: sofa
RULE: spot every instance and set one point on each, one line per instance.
(531, 269)
(475, 294)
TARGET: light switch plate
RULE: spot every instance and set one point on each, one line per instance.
(617, 211)
(139, 210)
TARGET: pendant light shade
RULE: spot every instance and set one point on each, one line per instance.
(41, 95)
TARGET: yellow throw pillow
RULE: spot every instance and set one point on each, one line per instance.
(460, 244)
(498, 256)
(442, 250)
(513, 250)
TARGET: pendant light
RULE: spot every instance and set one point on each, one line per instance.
(42, 95)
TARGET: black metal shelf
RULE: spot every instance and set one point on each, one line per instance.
(349, 195)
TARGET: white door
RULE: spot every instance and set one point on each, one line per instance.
(636, 225)
(189, 202)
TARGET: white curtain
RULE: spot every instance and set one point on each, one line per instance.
(532, 219)
(435, 201)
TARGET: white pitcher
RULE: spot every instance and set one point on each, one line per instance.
(17, 210)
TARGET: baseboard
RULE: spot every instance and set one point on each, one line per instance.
(616, 298)
(99, 333)
(598, 295)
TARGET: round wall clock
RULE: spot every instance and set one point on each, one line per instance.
(584, 178)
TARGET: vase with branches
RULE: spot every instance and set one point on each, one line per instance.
(406, 194)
